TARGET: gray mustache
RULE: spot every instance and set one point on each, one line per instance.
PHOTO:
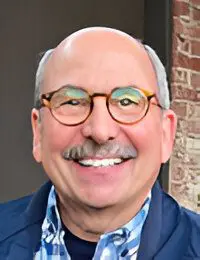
(92, 149)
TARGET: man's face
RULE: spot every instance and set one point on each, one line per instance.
(101, 68)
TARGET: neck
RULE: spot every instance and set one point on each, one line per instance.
(90, 223)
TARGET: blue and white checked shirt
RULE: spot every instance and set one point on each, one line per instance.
(122, 243)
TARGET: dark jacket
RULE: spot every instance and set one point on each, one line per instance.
(170, 231)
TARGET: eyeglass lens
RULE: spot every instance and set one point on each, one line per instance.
(72, 105)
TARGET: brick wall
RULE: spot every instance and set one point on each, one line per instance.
(185, 84)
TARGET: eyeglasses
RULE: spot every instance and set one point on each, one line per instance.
(72, 106)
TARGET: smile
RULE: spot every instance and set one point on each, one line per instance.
(100, 162)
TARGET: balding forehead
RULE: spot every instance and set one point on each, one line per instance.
(99, 41)
(99, 31)
(100, 37)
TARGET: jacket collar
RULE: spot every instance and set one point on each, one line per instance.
(164, 227)
(32, 214)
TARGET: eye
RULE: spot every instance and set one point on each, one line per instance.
(76, 102)
(73, 102)
(127, 101)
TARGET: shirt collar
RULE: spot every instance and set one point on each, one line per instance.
(53, 221)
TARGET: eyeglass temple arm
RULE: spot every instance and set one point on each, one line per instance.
(150, 97)
(44, 101)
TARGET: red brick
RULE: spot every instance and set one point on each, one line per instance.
(184, 44)
(181, 8)
(185, 91)
(182, 125)
(196, 14)
(194, 127)
(181, 60)
(180, 108)
(195, 48)
(195, 80)
(179, 92)
(177, 26)
(181, 44)
(177, 188)
(195, 2)
(194, 111)
(175, 164)
(194, 159)
(184, 61)
(180, 76)
(174, 47)
(177, 173)
(194, 64)
(194, 32)
(185, 29)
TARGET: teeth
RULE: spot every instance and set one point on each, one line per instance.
(98, 163)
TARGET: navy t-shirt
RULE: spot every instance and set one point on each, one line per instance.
(77, 248)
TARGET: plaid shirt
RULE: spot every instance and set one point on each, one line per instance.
(122, 243)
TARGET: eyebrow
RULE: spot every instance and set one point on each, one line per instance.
(72, 86)
(116, 87)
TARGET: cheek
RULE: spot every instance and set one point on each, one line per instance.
(146, 137)
(56, 137)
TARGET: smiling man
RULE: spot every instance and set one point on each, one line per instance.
(101, 129)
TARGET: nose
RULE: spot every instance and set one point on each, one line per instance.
(100, 126)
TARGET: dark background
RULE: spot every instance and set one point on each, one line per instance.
(30, 27)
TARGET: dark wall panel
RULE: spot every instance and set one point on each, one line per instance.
(158, 34)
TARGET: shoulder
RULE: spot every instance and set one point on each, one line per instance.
(18, 214)
(190, 218)
(30, 204)
(193, 220)
(192, 224)
(186, 227)
(14, 206)
(31, 207)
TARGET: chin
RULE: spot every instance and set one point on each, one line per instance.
(98, 205)
(100, 200)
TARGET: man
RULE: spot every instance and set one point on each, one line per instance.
(101, 129)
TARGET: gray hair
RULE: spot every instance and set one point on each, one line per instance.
(40, 75)
(163, 91)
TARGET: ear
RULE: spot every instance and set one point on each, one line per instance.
(36, 128)
(169, 132)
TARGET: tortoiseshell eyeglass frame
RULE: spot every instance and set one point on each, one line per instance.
(45, 101)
